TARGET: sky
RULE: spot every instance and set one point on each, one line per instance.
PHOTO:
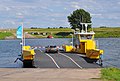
(53, 13)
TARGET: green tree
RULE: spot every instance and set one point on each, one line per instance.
(79, 16)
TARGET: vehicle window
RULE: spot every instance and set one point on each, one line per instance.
(52, 46)
(86, 36)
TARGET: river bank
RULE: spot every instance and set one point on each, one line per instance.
(59, 33)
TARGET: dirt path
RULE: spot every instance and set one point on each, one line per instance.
(14, 36)
(37, 74)
(29, 36)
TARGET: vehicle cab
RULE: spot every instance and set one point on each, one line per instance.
(83, 41)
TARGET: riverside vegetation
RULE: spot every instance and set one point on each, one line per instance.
(110, 74)
(3, 35)
(63, 32)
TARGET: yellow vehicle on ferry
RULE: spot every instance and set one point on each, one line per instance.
(28, 56)
(85, 44)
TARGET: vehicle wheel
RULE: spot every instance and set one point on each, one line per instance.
(92, 60)
(100, 62)
(28, 63)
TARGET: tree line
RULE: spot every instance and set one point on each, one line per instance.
(49, 27)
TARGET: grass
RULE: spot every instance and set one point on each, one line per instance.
(5, 34)
(65, 32)
(41, 30)
(110, 74)
(107, 32)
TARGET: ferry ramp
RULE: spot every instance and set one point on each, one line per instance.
(61, 60)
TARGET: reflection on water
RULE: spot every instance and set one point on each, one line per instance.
(10, 49)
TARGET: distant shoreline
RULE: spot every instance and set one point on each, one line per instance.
(10, 34)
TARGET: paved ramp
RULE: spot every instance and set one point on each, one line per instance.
(43, 61)
(61, 60)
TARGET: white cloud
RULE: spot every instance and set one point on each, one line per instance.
(75, 5)
(53, 19)
(96, 14)
(38, 11)
(112, 16)
(92, 1)
(10, 22)
(56, 14)
(19, 15)
(7, 8)
(65, 8)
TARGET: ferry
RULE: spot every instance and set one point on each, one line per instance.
(85, 44)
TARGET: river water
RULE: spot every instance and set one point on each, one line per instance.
(10, 49)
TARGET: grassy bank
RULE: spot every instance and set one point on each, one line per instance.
(64, 32)
(3, 35)
(107, 32)
(110, 74)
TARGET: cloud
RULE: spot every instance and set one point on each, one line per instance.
(65, 8)
(19, 15)
(10, 22)
(114, 16)
(96, 14)
(118, 3)
(7, 8)
(75, 5)
(25, 1)
(55, 12)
